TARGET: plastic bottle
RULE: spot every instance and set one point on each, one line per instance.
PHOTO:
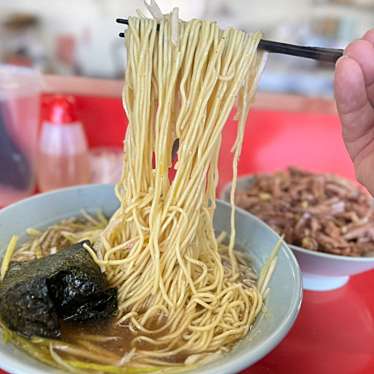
(19, 124)
(63, 158)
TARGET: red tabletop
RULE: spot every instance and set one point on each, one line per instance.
(334, 332)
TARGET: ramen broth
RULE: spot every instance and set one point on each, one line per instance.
(103, 337)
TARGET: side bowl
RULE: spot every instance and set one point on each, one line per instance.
(320, 271)
(253, 236)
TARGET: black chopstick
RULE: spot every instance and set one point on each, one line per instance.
(314, 53)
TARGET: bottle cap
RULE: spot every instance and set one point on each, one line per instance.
(60, 110)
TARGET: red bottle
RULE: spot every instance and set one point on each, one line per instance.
(63, 157)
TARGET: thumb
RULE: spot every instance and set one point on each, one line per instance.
(354, 109)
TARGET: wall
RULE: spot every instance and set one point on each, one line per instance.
(269, 15)
(100, 52)
(92, 21)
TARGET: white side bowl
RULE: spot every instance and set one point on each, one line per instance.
(282, 303)
(321, 271)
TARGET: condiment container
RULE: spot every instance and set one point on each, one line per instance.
(63, 157)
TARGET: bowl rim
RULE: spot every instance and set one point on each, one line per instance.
(38, 195)
(359, 259)
(248, 358)
(330, 256)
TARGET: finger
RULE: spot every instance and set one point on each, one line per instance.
(355, 111)
(369, 36)
(349, 82)
(364, 173)
(362, 51)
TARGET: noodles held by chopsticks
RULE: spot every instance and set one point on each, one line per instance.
(181, 83)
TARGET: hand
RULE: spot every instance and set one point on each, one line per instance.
(354, 93)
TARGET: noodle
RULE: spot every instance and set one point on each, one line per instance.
(8, 256)
(60, 235)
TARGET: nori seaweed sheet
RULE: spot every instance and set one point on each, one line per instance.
(35, 295)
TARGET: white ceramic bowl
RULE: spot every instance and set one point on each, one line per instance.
(321, 271)
(283, 301)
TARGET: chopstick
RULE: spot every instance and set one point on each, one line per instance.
(315, 53)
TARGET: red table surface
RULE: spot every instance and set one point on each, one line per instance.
(334, 332)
